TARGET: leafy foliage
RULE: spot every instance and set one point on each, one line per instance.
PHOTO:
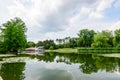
(13, 36)
(103, 39)
(30, 44)
(116, 40)
(86, 37)
(12, 71)
(47, 44)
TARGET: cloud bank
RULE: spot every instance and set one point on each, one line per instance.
(47, 19)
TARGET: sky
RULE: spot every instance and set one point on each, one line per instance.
(52, 19)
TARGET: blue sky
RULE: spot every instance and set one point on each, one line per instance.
(51, 19)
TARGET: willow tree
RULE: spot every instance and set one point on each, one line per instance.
(13, 35)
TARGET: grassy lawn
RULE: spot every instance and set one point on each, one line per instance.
(64, 50)
(110, 55)
(86, 50)
(7, 55)
(99, 50)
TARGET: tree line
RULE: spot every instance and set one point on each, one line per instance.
(13, 38)
(86, 38)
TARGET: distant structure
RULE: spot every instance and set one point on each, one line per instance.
(35, 50)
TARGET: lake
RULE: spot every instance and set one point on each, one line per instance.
(59, 66)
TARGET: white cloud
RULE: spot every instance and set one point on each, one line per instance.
(95, 15)
(117, 4)
(99, 8)
(115, 25)
(33, 14)
(104, 4)
(38, 10)
(47, 19)
(4, 13)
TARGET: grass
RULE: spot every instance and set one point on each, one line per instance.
(98, 50)
(7, 55)
(86, 50)
(110, 55)
(64, 50)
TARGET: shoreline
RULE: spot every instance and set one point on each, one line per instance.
(64, 50)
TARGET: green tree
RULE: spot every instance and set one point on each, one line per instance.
(59, 41)
(30, 44)
(86, 37)
(103, 39)
(116, 40)
(40, 43)
(109, 35)
(13, 35)
(73, 42)
(51, 48)
(46, 44)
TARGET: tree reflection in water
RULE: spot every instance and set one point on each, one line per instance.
(12, 71)
(89, 63)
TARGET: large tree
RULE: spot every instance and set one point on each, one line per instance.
(116, 40)
(86, 37)
(13, 35)
(103, 39)
(31, 44)
(46, 43)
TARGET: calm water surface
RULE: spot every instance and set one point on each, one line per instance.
(56, 66)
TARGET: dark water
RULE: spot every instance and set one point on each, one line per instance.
(54, 66)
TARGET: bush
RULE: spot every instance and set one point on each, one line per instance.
(60, 46)
(51, 48)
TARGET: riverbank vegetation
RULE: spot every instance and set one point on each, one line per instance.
(13, 39)
(63, 50)
(99, 50)
(86, 39)
(12, 36)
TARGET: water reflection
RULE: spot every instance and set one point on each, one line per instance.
(89, 63)
(56, 75)
(56, 66)
(12, 71)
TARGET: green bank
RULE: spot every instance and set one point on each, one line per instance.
(86, 50)
(64, 50)
(99, 50)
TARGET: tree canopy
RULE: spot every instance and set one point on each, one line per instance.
(86, 37)
(31, 44)
(103, 39)
(13, 36)
(116, 40)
